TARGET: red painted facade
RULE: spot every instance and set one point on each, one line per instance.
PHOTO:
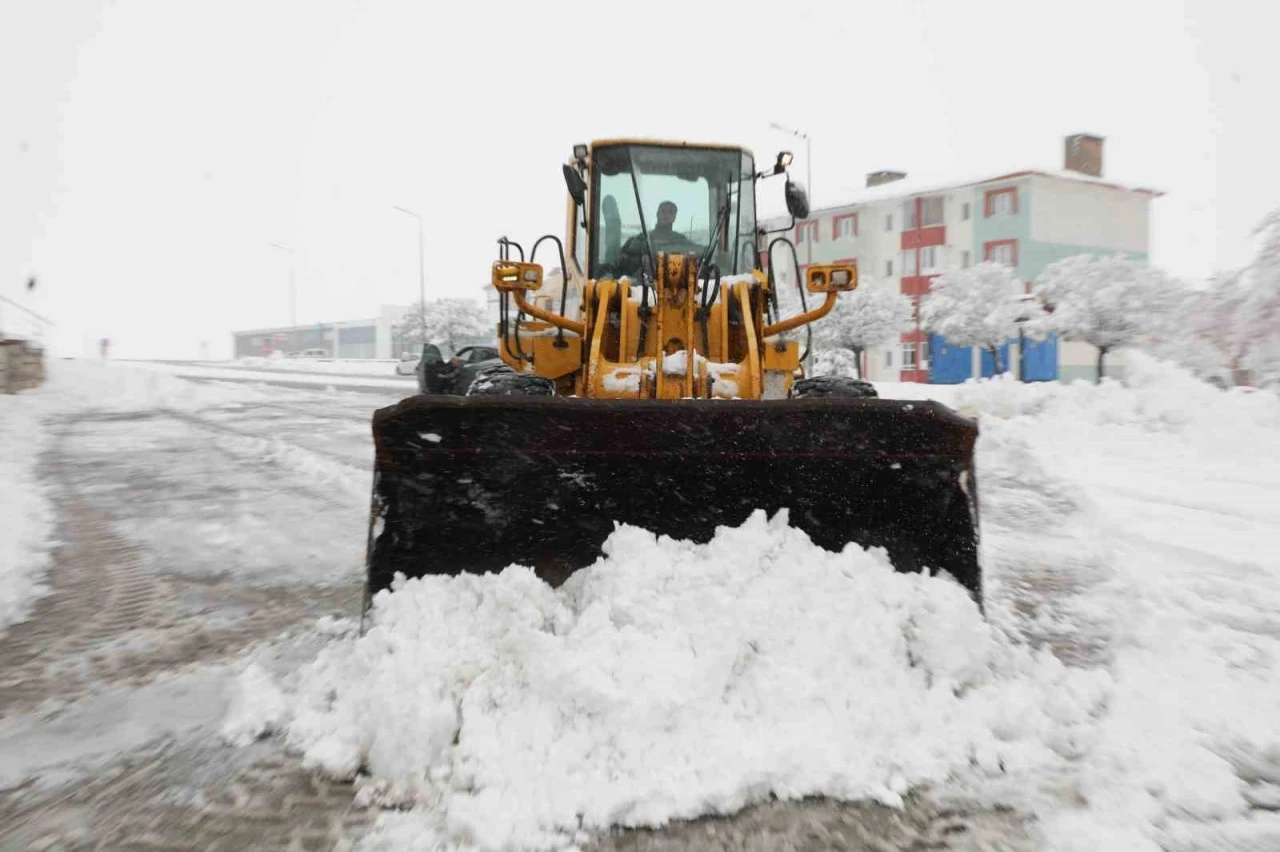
(934, 235)
(915, 286)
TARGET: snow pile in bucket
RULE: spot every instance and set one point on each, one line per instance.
(671, 680)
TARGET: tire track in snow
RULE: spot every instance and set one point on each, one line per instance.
(304, 462)
(114, 619)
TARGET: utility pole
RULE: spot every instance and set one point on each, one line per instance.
(422, 275)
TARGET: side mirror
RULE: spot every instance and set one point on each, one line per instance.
(831, 278)
(797, 200)
(577, 187)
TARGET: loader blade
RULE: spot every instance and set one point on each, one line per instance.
(474, 484)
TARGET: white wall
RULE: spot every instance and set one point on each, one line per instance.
(1076, 213)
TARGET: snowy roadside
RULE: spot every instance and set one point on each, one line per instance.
(26, 513)
(319, 378)
(672, 680)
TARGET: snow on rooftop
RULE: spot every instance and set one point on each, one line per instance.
(849, 196)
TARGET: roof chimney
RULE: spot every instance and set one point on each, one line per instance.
(877, 178)
(1083, 153)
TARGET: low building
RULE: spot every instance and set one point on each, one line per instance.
(356, 338)
(910, 231)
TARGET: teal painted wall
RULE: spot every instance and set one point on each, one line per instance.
(1034, 257)
(1002, 226)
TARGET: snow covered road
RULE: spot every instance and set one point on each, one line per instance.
(190, 525)
(188, 559)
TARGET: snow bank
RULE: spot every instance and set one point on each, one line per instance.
(671, 680)
(26, 513)
(1155, 395)
(319, 378)
(1143, 519)
(370, 367)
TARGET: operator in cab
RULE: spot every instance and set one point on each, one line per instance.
(663, 238)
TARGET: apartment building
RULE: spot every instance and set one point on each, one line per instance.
(910, 231)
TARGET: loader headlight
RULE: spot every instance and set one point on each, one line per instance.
(832, 277)
(517, 275)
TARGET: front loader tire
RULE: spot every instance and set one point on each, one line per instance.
(504, 381)
(828, 386)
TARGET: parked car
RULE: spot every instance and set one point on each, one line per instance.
(408, 363)
(315, 353)
(455, 375)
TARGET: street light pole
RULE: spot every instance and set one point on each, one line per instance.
(293, 289)
(422, 275)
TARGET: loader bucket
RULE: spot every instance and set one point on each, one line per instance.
(474, 484)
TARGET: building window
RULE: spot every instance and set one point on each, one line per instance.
(964, 212)
(964, 259)
(844, 227)
(806, 232)
(1002, 201)
(931, 211)
(909, 215)
(931, 259)
(888, 357)
(888, 222)
(908, 356)
(924, 355)
(888, 268)
(1001, 251)
(909, 262)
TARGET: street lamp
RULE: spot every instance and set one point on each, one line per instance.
(293, 289)
(422, 275)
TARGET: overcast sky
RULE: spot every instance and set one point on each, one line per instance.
(152, 151)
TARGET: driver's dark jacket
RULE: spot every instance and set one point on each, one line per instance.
(662, 239)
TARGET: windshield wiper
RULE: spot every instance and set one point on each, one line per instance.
(646, 263)
(722, 222)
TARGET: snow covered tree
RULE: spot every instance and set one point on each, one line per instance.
(976, 306)
(1105, 301)
(449, 321)
(836, 362)
(1257, 325)
(1199, 328)
(871, 315)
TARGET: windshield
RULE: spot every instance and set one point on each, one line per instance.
(673, 195)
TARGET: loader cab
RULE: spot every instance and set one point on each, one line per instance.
(647, 198)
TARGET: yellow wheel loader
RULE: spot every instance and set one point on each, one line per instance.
(659, 388)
